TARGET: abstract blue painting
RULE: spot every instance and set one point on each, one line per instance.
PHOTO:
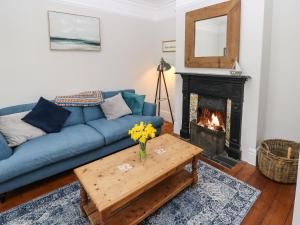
(73, 32)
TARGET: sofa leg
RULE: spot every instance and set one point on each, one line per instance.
(2, 198)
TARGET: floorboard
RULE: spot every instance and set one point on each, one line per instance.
(274, 206)
(289, 219)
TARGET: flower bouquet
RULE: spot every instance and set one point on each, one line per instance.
(142, 133)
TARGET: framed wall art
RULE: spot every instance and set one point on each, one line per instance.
(74, 32)
(169, 46)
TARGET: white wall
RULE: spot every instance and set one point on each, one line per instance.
(265, 72)
(28, 69)
(281, 89)
(280, 92)
(250, 60)
(166, 30)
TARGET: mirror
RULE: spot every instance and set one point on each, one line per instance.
(210, 37)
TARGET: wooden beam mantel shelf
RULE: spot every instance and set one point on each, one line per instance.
(216, 76)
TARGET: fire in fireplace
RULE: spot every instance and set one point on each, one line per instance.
(212, 120)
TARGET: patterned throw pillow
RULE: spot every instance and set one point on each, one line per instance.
(87, 98)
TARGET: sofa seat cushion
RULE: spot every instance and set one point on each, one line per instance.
(51, 148)
(114, 130)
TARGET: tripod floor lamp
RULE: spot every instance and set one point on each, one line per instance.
(163, 66)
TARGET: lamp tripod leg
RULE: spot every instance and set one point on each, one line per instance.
(156, 90)
(159, 93)
(163, 75)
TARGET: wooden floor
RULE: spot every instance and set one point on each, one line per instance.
(274, 206)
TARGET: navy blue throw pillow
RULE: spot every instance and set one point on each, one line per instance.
(47, 116)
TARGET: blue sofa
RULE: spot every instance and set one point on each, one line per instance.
(86, 136)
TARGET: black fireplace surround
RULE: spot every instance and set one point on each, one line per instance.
(218, 86)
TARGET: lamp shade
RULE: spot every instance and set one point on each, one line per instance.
(163, 66)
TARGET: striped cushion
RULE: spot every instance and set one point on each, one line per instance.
(87, 98)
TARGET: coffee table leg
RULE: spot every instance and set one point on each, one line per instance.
(194, 171)
(83, 200)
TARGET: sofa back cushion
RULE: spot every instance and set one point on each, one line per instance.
(5, 150)
(92, 113)
(109, 94)
(95, 112)
(75, 118)
(16, 109)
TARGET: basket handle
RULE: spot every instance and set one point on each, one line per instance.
(289, 153)
(265, 146)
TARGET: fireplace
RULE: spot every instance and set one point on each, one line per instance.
(212, 114)
(208, 124)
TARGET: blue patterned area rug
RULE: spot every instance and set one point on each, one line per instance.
(218, 199)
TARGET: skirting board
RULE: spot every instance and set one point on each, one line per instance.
(176, 127)
(249, 156)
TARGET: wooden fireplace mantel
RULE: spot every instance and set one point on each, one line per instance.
(217, 76)
(219, 86)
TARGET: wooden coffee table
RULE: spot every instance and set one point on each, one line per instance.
(112, 196)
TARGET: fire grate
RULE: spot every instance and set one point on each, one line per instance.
(211, 141)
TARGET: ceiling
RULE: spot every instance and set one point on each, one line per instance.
(147, 9)
(155, 3)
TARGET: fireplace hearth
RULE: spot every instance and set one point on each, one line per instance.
(212, 114)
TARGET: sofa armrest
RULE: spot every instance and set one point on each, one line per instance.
(5, 150)
(149, 109)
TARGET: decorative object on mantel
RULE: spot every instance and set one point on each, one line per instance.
(73, 32)
(220, 21)
(236, 69)
(163, 66)
(141, 133)
(278, 160)
(169, 46)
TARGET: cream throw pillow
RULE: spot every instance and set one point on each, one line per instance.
(115, 107)
(16, 131)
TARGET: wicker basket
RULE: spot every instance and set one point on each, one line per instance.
(278, 160)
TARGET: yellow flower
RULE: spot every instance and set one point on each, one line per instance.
(136, 136)
(142, 132)
(142, 140)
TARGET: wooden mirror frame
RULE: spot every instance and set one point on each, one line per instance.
(231, 9)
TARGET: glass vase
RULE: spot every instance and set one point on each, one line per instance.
(142, 152)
